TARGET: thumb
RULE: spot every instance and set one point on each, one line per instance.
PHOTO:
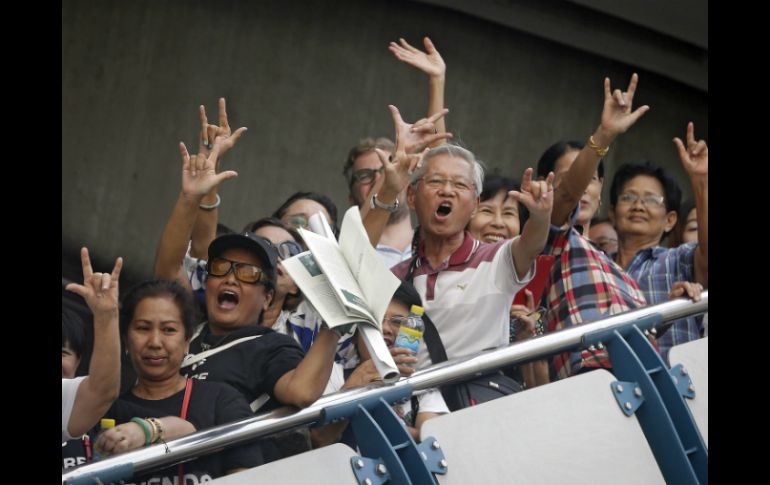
(530, 299)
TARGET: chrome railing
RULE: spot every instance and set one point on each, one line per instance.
(455, 370)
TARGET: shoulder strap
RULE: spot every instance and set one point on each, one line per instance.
(193, 358)
(432, 339)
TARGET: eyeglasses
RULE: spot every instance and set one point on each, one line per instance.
(289, 248)
(435, 182)
(364, 176)
(648, 200)
(396, 320)
(247, 273)
(295, 220)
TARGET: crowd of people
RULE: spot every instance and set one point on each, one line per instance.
(224, 332)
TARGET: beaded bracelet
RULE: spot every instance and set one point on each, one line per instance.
(158, 428)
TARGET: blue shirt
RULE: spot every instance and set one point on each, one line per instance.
(655, 271)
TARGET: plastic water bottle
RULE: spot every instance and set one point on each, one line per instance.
(410, 334)
(104, 424)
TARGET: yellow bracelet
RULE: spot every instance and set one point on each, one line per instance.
(599, 150)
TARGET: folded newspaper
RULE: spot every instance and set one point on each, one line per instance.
(348, 283)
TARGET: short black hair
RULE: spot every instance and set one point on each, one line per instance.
(406, 294)
(671, 192)
(494, 183)
(547, 161)
(73, 331)
(160, 289)
(325, 201)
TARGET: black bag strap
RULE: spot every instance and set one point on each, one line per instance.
(456, 396)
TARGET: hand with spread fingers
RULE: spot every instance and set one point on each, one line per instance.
(413, 138)
(429, 62)
(211, 133)
(536, 195)
(99, 290)
(199, 173)
(618, 115)
(695, 157)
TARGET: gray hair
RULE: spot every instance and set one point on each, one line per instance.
(454, 151)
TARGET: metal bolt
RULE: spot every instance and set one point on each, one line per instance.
(359, 464)
(424, 456)
(654, 331)
(637, 392)
(684, 371)
(619, 388)
(691, 388)
(646, 332)
(381, 469)
(600, 346)
(442, 463)
(367, 481)
(435, 445)
(591, 348)
(628, 406)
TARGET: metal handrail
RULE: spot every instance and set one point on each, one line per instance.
(455, 370)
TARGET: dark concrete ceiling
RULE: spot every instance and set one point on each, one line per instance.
(669, 38)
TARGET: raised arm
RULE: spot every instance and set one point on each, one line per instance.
(537, 197)
(431, 63)
(198, 178)
(695, 160)
(97, 391)
(205, 226)
(617, 118)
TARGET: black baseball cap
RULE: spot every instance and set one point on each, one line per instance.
(261, 247)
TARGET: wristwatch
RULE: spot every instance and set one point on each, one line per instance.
(388, 207)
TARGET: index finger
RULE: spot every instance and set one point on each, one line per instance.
(607, 93)
(86, 262)
(437, 116)
(223, 113)
(526, 180)
(632, 87)
(530, 299)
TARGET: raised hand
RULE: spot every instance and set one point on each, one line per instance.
(695, 158)
(413, 138)
(617, 115)
(199, 171)
(211, 133)
(429, 62)
(536, 195)
(99, 290)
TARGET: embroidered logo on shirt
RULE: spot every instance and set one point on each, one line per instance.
(463, 286)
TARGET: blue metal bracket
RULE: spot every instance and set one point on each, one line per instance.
(369, 471)
(682, 381)
(629, 396)
(389, 454)
(664, 417)
(433, 456)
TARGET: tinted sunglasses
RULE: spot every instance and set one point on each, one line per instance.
(247, 273)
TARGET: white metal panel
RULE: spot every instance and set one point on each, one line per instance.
(694, 356)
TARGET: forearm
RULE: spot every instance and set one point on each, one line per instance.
(302, 386)
(97, 392)
(205, 226)
(176, 235)
(529, 245)
(700, 192)
(376, 219)
(436, 86)
(575, 182)
(174, 427)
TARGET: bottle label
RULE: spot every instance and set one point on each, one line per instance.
(408, 338)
